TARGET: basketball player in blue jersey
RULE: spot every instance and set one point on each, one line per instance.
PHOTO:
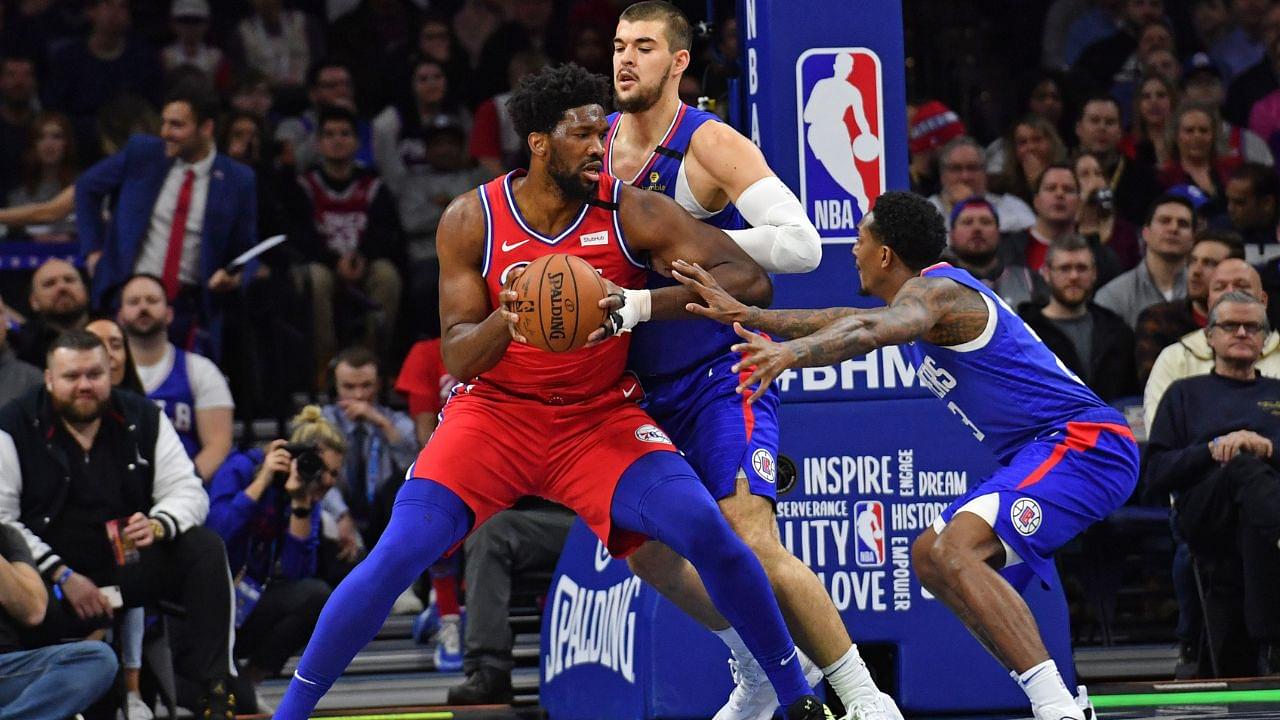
(1068, 459)
(720, 177)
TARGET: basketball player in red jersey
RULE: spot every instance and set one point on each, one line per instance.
(561, 426)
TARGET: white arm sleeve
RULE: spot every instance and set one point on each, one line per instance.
(781, 239)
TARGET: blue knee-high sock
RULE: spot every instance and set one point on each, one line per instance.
(427, 520)
(660, 496)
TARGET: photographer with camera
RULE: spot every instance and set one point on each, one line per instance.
(264, 503)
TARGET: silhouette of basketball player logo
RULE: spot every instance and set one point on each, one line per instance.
(841, 150)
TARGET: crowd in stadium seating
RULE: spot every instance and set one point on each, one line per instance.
(154, 143)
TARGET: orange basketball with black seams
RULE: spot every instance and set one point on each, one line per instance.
(558, 302)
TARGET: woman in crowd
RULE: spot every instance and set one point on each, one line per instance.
(1033, 144)
(265, 504)
(1097, 214)
(1192, 139)
(1152, 106)
(48, 167)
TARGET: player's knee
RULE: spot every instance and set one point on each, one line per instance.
(949, 557)
(654, 564)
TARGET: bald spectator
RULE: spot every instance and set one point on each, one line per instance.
(1192, 355)
(1162, 274)
(963, 166)
(59, 302)
(16, 376)
(974, 245)
(189, 388)
(1160, 325)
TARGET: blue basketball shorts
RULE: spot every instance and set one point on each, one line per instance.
(718, 432)
(1052, 490)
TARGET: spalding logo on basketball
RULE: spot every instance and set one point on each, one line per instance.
(1026, 516)
(558, 302)
(652, 434)
(762, 463)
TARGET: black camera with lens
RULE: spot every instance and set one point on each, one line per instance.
(311, 467)
(1104, 198)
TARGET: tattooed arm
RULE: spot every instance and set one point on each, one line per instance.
(725, 308)
(937, 310)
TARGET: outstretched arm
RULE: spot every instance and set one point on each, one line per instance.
(723, 307)
(916, 311)
(41, 213)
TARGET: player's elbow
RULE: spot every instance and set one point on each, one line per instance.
(804, 248)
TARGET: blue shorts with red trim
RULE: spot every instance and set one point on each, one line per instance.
(715, 428)
(1057, 486)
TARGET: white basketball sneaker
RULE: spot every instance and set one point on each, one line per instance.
(1082, 700)
(881, 708)
(753, 697)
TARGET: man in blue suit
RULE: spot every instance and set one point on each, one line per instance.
(180, 211)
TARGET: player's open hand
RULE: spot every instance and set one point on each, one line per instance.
(720, 305)
(762, 358)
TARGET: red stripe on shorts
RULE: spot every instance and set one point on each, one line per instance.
(1081, 436)
(748, 416)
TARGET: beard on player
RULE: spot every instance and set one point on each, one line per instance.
(572, 179)
(640, 97)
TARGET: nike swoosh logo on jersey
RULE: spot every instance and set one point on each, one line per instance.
(508, 247)
(627, 393)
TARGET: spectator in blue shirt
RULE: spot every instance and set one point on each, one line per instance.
(272, 532)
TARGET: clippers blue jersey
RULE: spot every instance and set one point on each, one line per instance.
(1005, 386)
(668, 347)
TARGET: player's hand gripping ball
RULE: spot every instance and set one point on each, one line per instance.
(866, 147)
(558, 302)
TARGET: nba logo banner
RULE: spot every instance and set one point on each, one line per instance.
(839, 100)
(868, 519)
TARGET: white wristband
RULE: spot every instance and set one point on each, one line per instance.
(637, 305)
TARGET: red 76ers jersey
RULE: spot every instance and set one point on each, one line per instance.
(595, 236)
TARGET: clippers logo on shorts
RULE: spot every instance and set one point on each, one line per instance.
(1026, 516)
(868, 516)
(838, 106)
(652, 434)
(762, 462)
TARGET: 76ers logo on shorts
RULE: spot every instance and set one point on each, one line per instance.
(652, 434)
(868, 520)
(1026, 516)
(838, 107)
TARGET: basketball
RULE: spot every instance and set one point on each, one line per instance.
(866, 148)
(559, 302)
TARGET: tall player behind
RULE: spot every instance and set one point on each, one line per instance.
(661, 144)
(559, 426)
(1068, 459)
